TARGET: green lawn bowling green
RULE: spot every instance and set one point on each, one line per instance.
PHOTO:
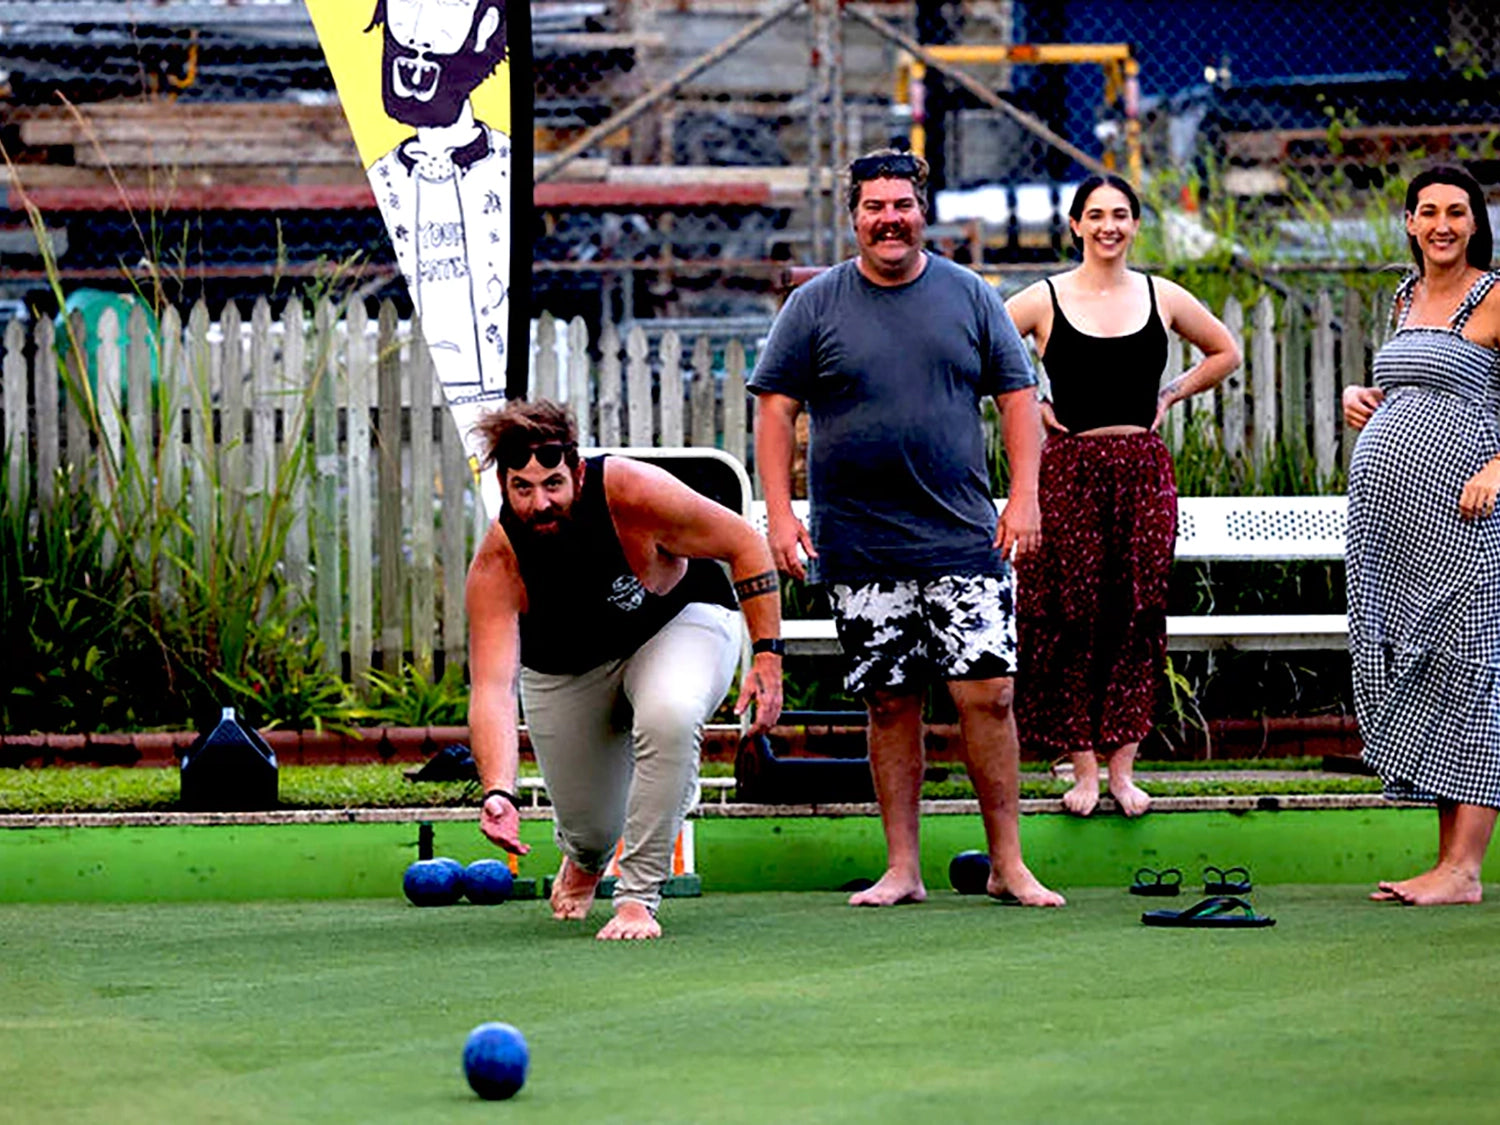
(785, 1007)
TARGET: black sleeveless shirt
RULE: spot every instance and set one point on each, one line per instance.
(1105, 380)
(584, 604)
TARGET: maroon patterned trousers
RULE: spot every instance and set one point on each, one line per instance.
(1092, 603)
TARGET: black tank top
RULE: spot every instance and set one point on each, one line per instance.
(1105, 380)
(584, 604)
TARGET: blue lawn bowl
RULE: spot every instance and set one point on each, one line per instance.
(969, 872)
(434, 882)
(488, 882)
(495, 1060)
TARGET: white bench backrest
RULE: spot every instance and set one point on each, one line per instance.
(1261, 527)
(663, 455)
(1231, 528)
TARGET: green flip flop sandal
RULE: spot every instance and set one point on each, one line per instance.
(1218, 912)
(1156, 884)
(1226, 881)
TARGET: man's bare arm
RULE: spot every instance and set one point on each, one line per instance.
(1020, 426)
(495, 596)
(649, 502)
(1193, 322)
(775, 445)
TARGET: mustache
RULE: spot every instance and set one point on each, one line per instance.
(901, 231)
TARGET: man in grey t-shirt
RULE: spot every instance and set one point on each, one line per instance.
(891, 353)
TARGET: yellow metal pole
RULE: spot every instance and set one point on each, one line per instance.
(1114, 91)
(1037, 53)
(918, 93)
(1133, 121)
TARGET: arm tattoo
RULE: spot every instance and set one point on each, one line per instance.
(756, 585)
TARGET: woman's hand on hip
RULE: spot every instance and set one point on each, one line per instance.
(1479, 493)
(1166, 398)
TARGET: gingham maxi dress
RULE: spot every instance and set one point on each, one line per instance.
(1424, 583)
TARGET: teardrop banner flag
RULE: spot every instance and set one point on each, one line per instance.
(438, 96)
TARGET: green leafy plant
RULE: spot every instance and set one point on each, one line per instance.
(409, 698)
(1183, 723)
(153, 587)
(58, 600)
(285, 681)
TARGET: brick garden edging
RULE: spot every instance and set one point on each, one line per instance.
(292, 747)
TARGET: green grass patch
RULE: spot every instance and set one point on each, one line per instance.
(790, 1008)
(118, 789)
(122, 789)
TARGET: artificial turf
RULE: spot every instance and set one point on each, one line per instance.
(756, 1008)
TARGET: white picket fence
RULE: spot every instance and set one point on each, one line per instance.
(384, 524)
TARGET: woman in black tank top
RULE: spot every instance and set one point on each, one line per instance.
(1092, 602)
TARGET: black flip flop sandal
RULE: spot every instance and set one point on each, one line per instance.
(1229, 881)
(1218, 912)
(1157, 884)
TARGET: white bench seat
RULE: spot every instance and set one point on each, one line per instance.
(1251, 529)
(1263, 632)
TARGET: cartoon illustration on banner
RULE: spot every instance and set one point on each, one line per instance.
(427, 87)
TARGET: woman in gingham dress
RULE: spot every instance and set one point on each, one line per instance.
(1424, 542)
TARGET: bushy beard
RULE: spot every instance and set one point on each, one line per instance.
(554, 537)
(430, 91)
(550, 523)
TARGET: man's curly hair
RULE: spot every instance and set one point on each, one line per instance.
(520, 426)
(918, 182)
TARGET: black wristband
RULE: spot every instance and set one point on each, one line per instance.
(769, 644)
(498, 792)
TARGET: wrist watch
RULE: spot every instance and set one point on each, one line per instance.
(774, 645)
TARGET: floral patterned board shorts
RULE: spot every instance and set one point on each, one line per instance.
(908, 633)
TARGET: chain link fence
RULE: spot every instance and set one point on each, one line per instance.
(1260, 129)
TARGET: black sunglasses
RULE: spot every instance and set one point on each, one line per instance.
(901, 165)
(549, 454)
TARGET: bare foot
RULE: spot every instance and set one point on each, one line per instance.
(1442, 886)
(1021, 886)
(893, 889)
(573, 891)
(1132, 799)
(1384, 896)
(1083, 798)
(632, 922)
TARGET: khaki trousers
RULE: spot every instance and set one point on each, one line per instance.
(618, 745)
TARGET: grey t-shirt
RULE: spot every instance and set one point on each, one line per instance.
(892, 378)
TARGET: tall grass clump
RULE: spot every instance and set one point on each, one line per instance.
(150, 587)
(59, 612)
